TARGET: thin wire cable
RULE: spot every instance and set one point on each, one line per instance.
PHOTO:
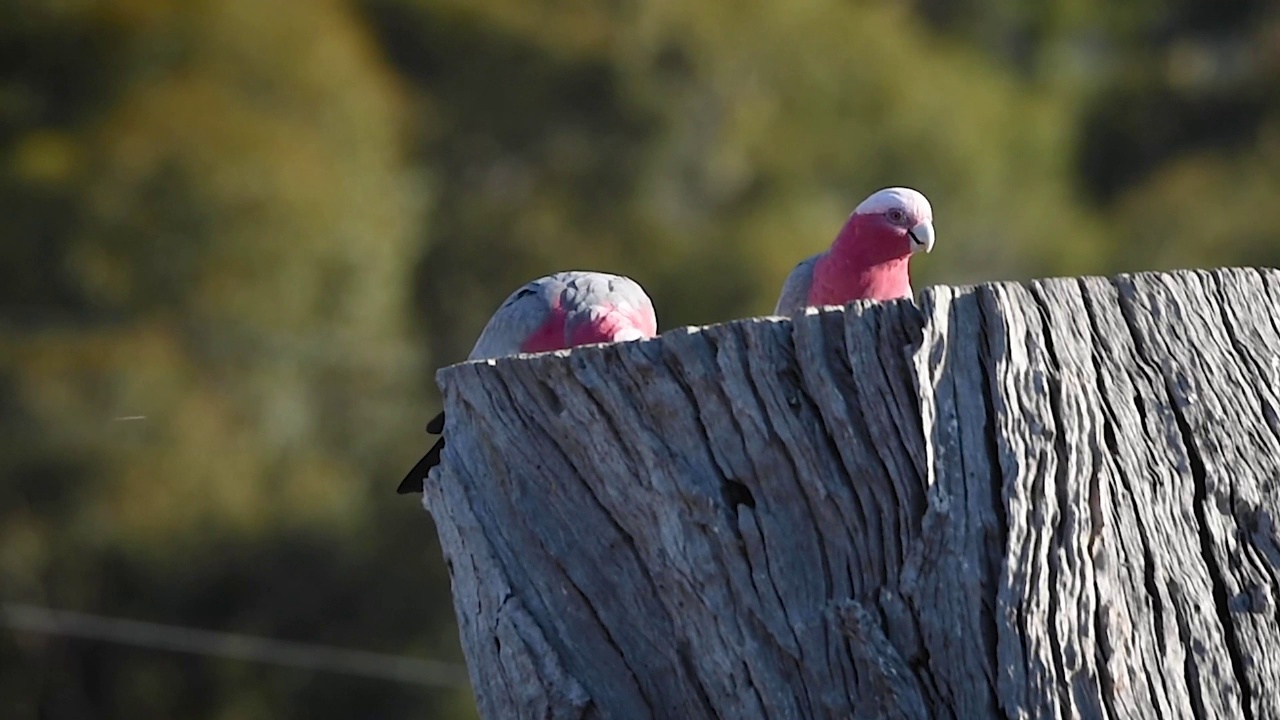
(397, 668)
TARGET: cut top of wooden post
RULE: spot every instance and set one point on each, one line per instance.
(1053, 499)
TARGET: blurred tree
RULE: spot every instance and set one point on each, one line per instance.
(1205, 210)
(1176, 102)
(213, 232)
(1191, 76)
(1179, 144)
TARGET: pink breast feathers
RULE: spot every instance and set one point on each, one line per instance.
(610, 323)
(550, 335)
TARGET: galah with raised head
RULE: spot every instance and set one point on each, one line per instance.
(555, 312)
(869, 258)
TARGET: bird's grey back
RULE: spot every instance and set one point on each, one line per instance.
(795, 291)
(518, 317)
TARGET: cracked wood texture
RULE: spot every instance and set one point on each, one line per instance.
(1055, 499)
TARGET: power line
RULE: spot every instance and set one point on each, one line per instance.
(397, 668)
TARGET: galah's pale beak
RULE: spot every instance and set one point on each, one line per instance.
(921, 237)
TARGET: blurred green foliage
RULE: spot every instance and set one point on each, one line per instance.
(262, 225)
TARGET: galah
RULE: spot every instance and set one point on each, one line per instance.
(869, 257)
(555, 312)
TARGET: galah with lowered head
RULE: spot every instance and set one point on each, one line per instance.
(555, 312)
(869, 258)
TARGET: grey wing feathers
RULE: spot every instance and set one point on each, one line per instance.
(617, 291)
(625, 291)
(584, 288)
(795, 291)
(516, 319)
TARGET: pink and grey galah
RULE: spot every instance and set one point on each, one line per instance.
(554, 312)
(869, 258)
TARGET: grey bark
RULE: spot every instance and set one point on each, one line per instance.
(1054, 499)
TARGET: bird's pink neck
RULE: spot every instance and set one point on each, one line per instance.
(867, 261)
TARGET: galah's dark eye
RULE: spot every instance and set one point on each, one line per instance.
(896, 216)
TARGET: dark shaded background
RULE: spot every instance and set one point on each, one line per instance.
(261, 225)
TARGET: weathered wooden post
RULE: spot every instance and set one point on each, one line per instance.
(1047, 500)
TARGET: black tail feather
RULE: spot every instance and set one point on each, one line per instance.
(416, 480)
